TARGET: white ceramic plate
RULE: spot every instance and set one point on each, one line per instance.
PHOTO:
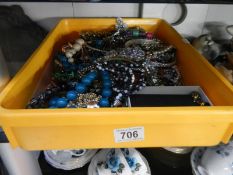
(101, 156)
(66, 161)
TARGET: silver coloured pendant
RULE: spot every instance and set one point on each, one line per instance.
(120, 25)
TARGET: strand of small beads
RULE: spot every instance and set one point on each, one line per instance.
(127, 77)
(165, 55)
(164, 77)
(156, 51)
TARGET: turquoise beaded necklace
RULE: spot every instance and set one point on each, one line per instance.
(81, 88)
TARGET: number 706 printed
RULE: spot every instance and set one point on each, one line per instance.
(129, 134)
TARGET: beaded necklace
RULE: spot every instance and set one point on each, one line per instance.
(81, 88)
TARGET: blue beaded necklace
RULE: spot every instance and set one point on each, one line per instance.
(81, 88)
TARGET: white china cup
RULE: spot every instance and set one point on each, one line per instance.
(217, 160)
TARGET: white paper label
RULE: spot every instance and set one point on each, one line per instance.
(129, 134)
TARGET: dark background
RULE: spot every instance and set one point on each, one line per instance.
(136, 1)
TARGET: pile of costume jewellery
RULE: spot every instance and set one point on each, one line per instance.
(101, 69)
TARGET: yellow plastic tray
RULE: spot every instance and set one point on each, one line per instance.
(36, 129)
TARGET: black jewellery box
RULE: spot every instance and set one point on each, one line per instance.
(168, 96)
